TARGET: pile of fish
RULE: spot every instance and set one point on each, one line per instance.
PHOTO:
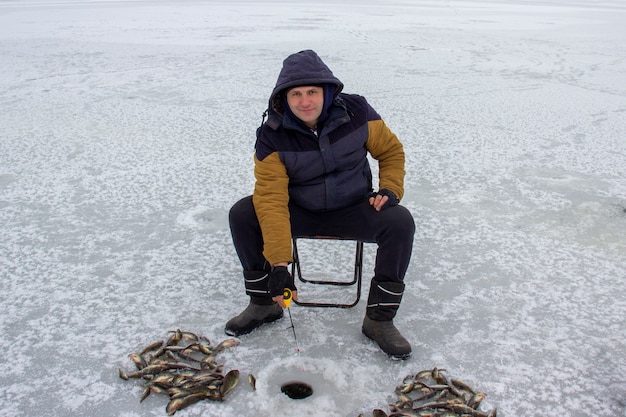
(185, 368)
(430, 393)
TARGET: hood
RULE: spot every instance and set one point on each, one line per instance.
(304, 68)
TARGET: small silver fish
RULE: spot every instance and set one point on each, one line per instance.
(138, 360)
(230, 381)
(462, 386)
(476, 399)
(123, 374)
(152, 346)
(225, 344)
(179, 403)
(252, 381)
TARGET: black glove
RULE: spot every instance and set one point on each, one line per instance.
(279, 279)
(392, 201)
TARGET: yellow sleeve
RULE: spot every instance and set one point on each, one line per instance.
(271, 199)
(385, 147)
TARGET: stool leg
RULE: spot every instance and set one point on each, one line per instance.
(358, 269)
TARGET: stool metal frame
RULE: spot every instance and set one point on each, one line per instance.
(357, 279)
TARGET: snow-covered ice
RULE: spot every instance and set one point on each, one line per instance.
(127, 131)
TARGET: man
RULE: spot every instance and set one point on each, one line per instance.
(313, 178)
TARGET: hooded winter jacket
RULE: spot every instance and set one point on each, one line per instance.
(322, 172)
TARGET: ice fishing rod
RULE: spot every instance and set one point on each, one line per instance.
(287, 296)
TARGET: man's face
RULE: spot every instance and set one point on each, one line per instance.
(306, 103)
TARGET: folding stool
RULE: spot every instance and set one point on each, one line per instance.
(296, 270)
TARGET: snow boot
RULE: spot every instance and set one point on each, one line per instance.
(382, 304)
(261, 308)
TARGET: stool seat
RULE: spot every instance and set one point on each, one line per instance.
(296, 270)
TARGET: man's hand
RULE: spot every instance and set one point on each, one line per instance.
(383, 199)
(279, 279)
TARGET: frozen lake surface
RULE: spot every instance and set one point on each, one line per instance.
(127, 132)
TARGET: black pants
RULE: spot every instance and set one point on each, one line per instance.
(392, 229)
